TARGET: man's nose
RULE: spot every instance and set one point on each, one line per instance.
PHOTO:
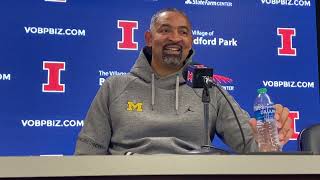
(175, 37)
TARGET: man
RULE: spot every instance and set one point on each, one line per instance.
(152, 111)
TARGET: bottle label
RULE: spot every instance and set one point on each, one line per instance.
(264, 113)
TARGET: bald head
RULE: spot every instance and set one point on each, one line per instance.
(156, 16)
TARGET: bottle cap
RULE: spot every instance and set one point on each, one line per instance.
(262, 90)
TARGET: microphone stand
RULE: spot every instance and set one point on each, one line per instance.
(206, 148)
(206, 102)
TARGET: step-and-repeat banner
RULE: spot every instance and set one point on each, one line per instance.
(55, 54)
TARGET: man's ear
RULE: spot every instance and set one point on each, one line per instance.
(148, 38)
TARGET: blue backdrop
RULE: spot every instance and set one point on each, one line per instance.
(72, 45)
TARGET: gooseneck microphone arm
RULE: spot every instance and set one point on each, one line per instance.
(209, 82)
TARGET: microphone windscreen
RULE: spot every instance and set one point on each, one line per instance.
(194, 74)
(185, 70)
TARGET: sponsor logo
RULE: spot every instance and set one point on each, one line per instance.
(190, 76)
(134, 106)
(294, 115)
(301, 3)
(215, 41)
(222, 79)
(206, 38)
(127, 27)
(5, 77)
(61, 1)
(54, 69)
(51, 123)
(225, 82)
(208, 3)
(286, 48)
(104, 74)
(54, 31)
(288, 84)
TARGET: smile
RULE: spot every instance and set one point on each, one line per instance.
(172, 49)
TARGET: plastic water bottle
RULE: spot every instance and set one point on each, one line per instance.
(264, 111)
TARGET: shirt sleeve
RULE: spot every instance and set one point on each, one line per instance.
(227, 127)
(94, 137)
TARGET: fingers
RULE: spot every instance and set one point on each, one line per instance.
(286, 132)
(286, 137)
(281, 115)
(277, 115)
(283, 123)
(284, 117)
(278, 107)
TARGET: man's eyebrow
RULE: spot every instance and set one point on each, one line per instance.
(184, 27)
(180, 27)
(165, 25)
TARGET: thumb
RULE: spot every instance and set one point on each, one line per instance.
(253, 124)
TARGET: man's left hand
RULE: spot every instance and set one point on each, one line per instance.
(283, 123)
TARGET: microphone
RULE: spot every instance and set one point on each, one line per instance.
(209, 81)
(199, 76)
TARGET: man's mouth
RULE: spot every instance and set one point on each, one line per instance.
(172, 49)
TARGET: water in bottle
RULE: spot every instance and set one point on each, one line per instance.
(264, 111)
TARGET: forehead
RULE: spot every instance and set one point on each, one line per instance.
(174, 19)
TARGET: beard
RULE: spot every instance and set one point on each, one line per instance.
(174, 60)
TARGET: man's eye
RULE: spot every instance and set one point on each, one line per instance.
(165, 30)
(184, 32)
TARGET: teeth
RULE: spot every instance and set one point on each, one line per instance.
(173, 48)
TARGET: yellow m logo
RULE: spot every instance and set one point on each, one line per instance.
(132, 106)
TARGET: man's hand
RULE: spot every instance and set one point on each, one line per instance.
(283, 124)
